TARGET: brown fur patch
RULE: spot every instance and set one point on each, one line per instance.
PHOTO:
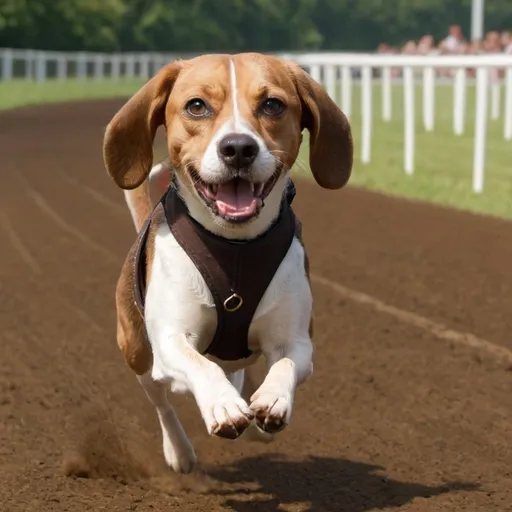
(298, 234)
(131, 331)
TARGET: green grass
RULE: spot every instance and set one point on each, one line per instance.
(443, 161)
(20, 93)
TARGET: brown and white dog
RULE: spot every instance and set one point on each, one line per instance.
(234, 127)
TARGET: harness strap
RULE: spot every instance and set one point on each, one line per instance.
(139, 261)
(237, 273)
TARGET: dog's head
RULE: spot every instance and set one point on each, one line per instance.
(234, 127)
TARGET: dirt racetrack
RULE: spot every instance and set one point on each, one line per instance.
(410, 405)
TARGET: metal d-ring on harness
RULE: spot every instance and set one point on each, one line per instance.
(237, 272)
(233, 302)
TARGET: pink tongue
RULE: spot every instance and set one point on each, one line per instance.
(236, 198)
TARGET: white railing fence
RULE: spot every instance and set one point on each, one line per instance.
(337, 72)
(493, 73)
(43, 65)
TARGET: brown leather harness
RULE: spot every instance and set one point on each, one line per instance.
(237, 272)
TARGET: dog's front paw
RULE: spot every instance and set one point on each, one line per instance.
(272, 409)
(227, 415)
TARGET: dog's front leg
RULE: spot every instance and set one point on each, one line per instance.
(224, 411)
(290, 364)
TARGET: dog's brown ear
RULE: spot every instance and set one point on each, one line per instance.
(331, 148)
(129, 137)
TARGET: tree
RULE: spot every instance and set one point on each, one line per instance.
(193, 26)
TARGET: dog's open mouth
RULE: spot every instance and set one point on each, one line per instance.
(236, 200)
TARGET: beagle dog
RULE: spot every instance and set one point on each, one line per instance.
(233, 129)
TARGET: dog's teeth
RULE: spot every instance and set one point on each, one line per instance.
(214, 188)
(259, 189)
(251, 184)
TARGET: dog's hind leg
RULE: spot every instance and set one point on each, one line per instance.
(179, 453)
(159, 180)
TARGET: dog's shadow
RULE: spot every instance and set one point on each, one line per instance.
(318, 484)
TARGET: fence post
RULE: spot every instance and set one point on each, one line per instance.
(346, 90)
(99, 66)
(508, 104)
(330, 81)
(386, 93)
(144, 66)
(7, 64)
(315, 72)
(409, 120)
(482, 95)
(428, 98)
(366, 111)
(40, 59)
(62, 66)
(115, 66)
(29, 64)
(130, 65)
(81, 65)
(154, 64)
(495, 100)
(459, 101)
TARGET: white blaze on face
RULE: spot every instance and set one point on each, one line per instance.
(234, 96)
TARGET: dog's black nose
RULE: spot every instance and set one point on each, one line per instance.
(238, 150)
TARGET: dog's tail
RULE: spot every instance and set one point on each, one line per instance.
(142, 199)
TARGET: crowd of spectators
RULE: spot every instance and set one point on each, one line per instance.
(454, 44)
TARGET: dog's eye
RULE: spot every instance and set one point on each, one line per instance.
(273, 107)
(197, 108)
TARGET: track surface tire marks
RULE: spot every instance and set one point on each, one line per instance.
(393, 419)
